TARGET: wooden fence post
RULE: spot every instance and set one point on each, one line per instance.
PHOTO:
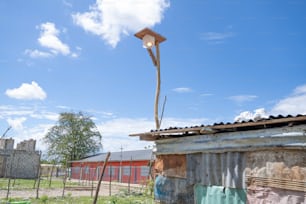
(110, 180)
(129, 183)
(51, 174)
(38, 175)
(65, 179)
(101, 177)
(12, 156)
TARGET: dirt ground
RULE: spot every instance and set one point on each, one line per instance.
(75, 192)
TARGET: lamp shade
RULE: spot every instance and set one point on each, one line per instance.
(148, 41)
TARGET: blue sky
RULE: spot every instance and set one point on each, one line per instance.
(222, 60)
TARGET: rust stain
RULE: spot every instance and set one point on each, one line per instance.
(171, 165)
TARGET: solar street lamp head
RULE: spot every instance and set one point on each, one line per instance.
(148, 41)
(149, 38)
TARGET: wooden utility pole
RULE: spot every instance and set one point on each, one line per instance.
(151, 39)
(156, 63)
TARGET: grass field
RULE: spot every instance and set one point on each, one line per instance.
(83, 200)
(23, 185)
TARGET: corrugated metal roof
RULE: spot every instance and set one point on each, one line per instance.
(135, 155)
(261, 123)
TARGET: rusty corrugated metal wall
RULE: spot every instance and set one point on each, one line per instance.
(223, 169)
(259, 176)
(269, 163)
(179, 174)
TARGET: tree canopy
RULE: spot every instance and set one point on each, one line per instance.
(73, 137)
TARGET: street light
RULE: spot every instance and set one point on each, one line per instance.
(151, 39)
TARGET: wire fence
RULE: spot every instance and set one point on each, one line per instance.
(22, 175)
(56, 181)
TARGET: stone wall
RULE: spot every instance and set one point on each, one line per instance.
(22, 162)
(276, 176)
(6, 143)
(27, 145)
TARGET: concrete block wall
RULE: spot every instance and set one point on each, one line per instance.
(22, 162)
(27, 145)
(6, 144)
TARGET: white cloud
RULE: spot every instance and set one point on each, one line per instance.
(33, 112)
(49, 39)
(37, 53)
(242, 98)
(183, 122)
(110, 19)
(17, 122)
(18, 117)
(45, 115)
(63, 107)
(294, 104)
(206, 94)
(247, 115)
(68, 4)
(115, 132)
(300, 90)
(291, 105)
(27, 92)
(8, 111)
(183, 90)
(37, 133)
(216, 37)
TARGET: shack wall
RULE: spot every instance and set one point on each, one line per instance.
(252, 177)
(269, 162)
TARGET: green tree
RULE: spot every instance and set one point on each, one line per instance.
(73, 137)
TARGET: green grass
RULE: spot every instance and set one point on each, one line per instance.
(24, 184)
(133, 199)
(20, 184)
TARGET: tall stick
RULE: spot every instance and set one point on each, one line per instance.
(158, 81)
(65, 179)
(38, 176)
(50, 178)
(129, 184)
(38, 184)
(110, 180)
(101, 177)
(12, 156)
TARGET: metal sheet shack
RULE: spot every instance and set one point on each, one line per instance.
(257, 161)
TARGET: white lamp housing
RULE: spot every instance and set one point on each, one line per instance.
(148, 41)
